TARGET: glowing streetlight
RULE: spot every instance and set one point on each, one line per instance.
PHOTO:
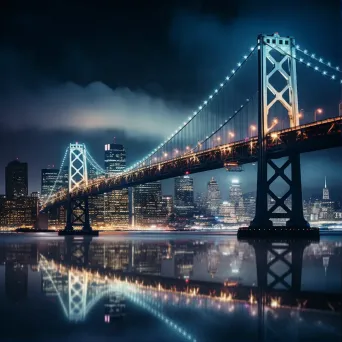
(274, 136)
(317, 111)
(301, 114)
(231, 135)
(188, 148)
(252, 129)
(275, 121)
(218, 138)
(165, 154)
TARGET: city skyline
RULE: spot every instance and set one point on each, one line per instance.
(171, 170)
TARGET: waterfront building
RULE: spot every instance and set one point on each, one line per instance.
(147, 205)
(213, 197)
(184, 196)
(116, 204)
(16, 179)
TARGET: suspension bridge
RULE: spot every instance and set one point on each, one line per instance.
(227, 131)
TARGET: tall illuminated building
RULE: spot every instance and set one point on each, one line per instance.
(115, 159)
(147, 205)
(249, 203)
(184, 196)
(168, 204)
(116, 210)
(213, 197)
(49, 179)
(325, 190)
(96, 202)
(327, 205)
(16, 179)
(52, 180)
(236, 199)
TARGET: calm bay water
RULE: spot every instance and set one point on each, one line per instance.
(169, 287)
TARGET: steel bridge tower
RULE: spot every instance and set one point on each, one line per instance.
(268, 47)
(77, 207)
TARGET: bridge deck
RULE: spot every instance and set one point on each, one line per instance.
(305, 138)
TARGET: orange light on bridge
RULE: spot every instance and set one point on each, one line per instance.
(231, 134)
(274, 136)
(275, 121)
(317, 111)
(275, 303)
(218, 138)
(252, 129)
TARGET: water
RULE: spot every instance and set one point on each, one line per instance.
(168, 287)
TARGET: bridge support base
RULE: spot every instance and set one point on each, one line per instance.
(296, 226)
(78, 215)
(280, 232)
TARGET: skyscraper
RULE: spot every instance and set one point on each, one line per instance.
(168, 204)
(236, 199)
(16, 179)
(184, 196)
(116, 211)
(147, 206)
(52, 180)
(327, 205)
(49, 177)
(96, 202)
(115, 159)
(249, 203)
(325, 190)
(201, 203)
(213, 197)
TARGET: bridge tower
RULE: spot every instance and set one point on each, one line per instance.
(268, 47)
(77, 208)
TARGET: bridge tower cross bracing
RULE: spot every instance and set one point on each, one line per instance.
(77, 208)
(285, 47)
(78, 172)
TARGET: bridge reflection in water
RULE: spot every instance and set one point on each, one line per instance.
(263, 281)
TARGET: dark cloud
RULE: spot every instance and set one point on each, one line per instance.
(70, 107)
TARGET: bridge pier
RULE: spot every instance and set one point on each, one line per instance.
(264, 213)
(78, 215)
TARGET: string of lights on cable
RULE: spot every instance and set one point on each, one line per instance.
(200, 108)
(310, 65)
(318, 59)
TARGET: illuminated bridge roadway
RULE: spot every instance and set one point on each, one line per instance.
(306, 138)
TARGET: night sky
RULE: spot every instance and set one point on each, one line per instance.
(90, 70)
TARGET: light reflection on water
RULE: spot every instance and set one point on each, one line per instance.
(169, 287)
